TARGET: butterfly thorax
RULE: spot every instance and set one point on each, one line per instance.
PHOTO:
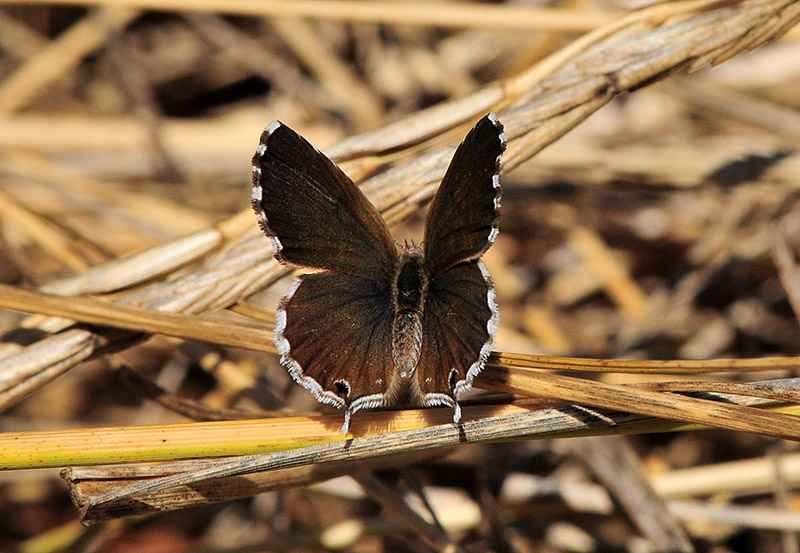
(409, 287)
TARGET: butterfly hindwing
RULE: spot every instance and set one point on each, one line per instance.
(334, 334)
(464, 215)
(316, 216)
(459, 321)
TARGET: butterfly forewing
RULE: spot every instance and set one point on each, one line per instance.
(463, 217)
(314, 213)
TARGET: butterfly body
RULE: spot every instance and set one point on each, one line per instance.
(409, 289)
(376, 323)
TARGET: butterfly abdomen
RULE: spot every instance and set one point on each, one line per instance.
(409, 287)
(406, 342)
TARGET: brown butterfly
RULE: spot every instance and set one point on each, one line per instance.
(377, 321)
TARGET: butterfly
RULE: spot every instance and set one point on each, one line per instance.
(377, 322)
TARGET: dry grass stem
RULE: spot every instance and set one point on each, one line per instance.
(667, 406)
(749, 517)
(735, 477)
(459, 16)
(137, 319)
(616, 465)
(540, 423)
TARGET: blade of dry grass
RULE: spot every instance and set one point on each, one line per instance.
(166, 442)
(735, 515)
(771, 390)
(131, 317)
(85, 483)
(541, 424)
(739, 477)
(237, 334)
(211, 439)
(673, 366)
(406, 13)
(619, 468)
(46, 237)
(38, 363)
(668, 406)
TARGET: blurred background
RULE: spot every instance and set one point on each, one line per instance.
(663, 227)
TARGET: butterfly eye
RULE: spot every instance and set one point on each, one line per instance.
(342, 387)
(452, 378)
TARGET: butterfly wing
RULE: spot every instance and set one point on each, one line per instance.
(334, 329)
(316, 216)
(464, 215)
(460, 317)
(329, 324)
(459, 322)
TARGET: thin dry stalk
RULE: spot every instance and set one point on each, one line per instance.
(734, 515)
(45, 236)
(616, 464)
(459, 15)
(541, 423)
(85, 483)
(741, 477)
(433, 534)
